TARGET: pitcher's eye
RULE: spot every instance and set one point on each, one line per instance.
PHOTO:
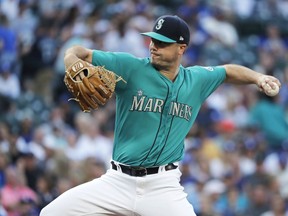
(160, 44)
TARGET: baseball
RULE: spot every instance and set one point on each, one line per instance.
(271, 90)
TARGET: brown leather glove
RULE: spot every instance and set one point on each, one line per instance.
(90, 85)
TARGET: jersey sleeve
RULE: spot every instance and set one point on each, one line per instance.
(211, 78)
(114, 61)
(118, 62)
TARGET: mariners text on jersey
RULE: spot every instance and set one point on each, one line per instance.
(145, 104)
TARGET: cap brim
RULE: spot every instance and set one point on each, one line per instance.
(159, 37)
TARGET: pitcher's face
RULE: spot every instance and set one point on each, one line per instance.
(164, 55)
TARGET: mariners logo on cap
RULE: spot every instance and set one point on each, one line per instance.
(159, 24)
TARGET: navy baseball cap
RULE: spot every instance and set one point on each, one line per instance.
(170, 29)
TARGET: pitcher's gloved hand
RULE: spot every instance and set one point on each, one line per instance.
(90, 85)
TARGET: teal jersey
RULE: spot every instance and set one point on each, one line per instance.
(154, 114)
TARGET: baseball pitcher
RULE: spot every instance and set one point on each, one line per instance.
(157, 101)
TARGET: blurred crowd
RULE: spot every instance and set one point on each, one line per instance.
(236, 158)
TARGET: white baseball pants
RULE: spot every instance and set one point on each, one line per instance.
(119, 194)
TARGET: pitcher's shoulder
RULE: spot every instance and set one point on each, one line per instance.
(205, 69)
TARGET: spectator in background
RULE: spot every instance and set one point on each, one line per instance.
(193, 185)
(227, 159)
(273, 42)
(31, 169)
(55, 139)
(212, 191)
(258, 200)
(267, 10)
(220, 28)
(4, 162)
(233, 202)
(91, 143)
(249, 145)
(269, 117)
(282, 6)
(191, 11)
(266, 63)
(277, 206)
(46, 189)
(75, 29)
(3, 212)
(63, 184)
(277, 165)
(9, 82)
(124, 38)
(15, 140)
(36, 145)
(236, 110)
(207, 118)
(26, 130)
(10, 9)
(199, 165)
(93, 168)
(72, 150)
(15, 192)
(4, 137)
(244, 8)
(8, 43)
(260, 176)
(24, 24)
(258, 187)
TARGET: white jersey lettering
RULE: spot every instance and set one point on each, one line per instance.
(149, 105)
(144, 104)
(137, 104)
(158, 105)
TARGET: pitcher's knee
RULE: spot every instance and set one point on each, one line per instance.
(48, 211)
(43, 212)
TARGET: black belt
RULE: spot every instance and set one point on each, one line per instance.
(141, 171)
